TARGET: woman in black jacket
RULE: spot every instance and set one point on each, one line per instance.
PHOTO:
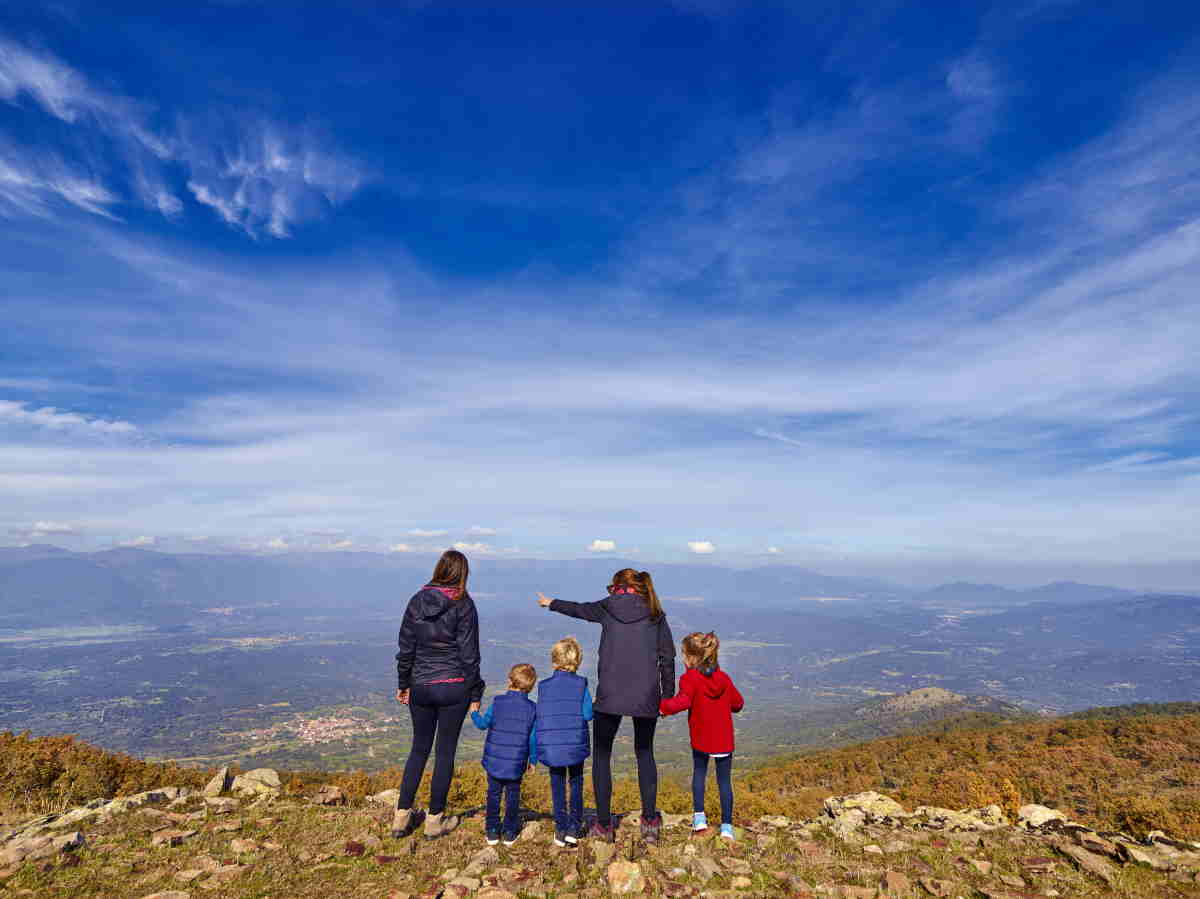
(637, 669)
(438, 679)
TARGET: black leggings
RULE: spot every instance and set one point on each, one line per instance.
(604, 729)
(436, 709)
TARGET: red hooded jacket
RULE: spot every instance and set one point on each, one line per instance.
(711, 699)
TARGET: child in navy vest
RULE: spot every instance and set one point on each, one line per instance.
(510, 747)
(564, 707)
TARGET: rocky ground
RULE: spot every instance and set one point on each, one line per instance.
(245, 837)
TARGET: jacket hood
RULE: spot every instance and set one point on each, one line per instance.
(431, 603)
(714, 681)
(627, 607)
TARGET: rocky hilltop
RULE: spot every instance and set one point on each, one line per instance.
(246, 836)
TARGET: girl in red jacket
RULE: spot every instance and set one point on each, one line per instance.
(710, 699)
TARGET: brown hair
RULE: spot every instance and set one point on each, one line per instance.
(701, 650)
(522, 677)
(451, 570)
(643, 584)
(566, 654)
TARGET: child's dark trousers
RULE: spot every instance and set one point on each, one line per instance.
(724, 768)
(568, 817)
(512, 807)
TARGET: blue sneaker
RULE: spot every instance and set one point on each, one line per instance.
(727, 832)
(699, 822)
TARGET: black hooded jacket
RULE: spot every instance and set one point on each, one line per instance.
(439, 641)
(637, 654)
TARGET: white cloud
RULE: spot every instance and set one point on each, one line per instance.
(420, 532)
(602, 546)
(341, 544)
(277, 543)
(401, 548)
(476, 530)
(59, 420)
(139, 541)
(701, 547)
(481, 548)
(258, 176)
(774, 550)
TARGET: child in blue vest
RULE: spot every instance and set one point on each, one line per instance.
(511, 746)
(564, 707)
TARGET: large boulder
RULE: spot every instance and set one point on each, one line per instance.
(875, 806)
(259, 782)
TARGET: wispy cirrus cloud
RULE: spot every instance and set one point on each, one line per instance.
(259, 176)
(50, 418)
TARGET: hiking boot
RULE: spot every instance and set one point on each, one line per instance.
(564, 839)
(651, 830)
(439, 825)
(699, 822)
(405, 821)
(605, 833)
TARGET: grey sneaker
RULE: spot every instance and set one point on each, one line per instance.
(405, 821)
(439, 825)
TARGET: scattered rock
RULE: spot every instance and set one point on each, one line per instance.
(935, 887)
(355, 848)
(220, 782)
(741, 882)
(775, 821)
(329, 795)
(221, 805)
(982, 866)
(530, 831)
(872, 850)
(1038, 864)
(1032, 817)
(895, 883)
(603, 853)
(495, 893)
(1088, 861)
(1096, 843)
(626, 878)
(189, 875)
(388, 798)
(875, 806)
(1012, 880)
(704, 869)
(481, 862)
(1138, 856)
(171, 838)
(169, 894)
(239, 846)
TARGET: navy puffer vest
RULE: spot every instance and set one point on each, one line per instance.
(562, 732)
(506, 750)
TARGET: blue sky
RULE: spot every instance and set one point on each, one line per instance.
(901, 288)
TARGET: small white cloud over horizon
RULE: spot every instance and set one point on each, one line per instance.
(421, 532)
(401, 548)
(701, 547)
(602, 546)
(465, 547)
(277, 543)
(773, 550)
(476, 530)
(137, 542)
(342, 544)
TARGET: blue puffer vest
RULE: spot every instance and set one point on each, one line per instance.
(562, 732)
(506, 750)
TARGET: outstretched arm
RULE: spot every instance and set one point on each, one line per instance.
(586, 611)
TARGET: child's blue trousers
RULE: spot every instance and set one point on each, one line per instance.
(724, 768)
(568, 818)
(512, 806)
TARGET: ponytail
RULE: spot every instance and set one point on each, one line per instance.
(647, 585)
(702, 650)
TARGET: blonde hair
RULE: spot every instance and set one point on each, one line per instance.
(701, 650)
(522, 677)
(566, 654)
(641, 582)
